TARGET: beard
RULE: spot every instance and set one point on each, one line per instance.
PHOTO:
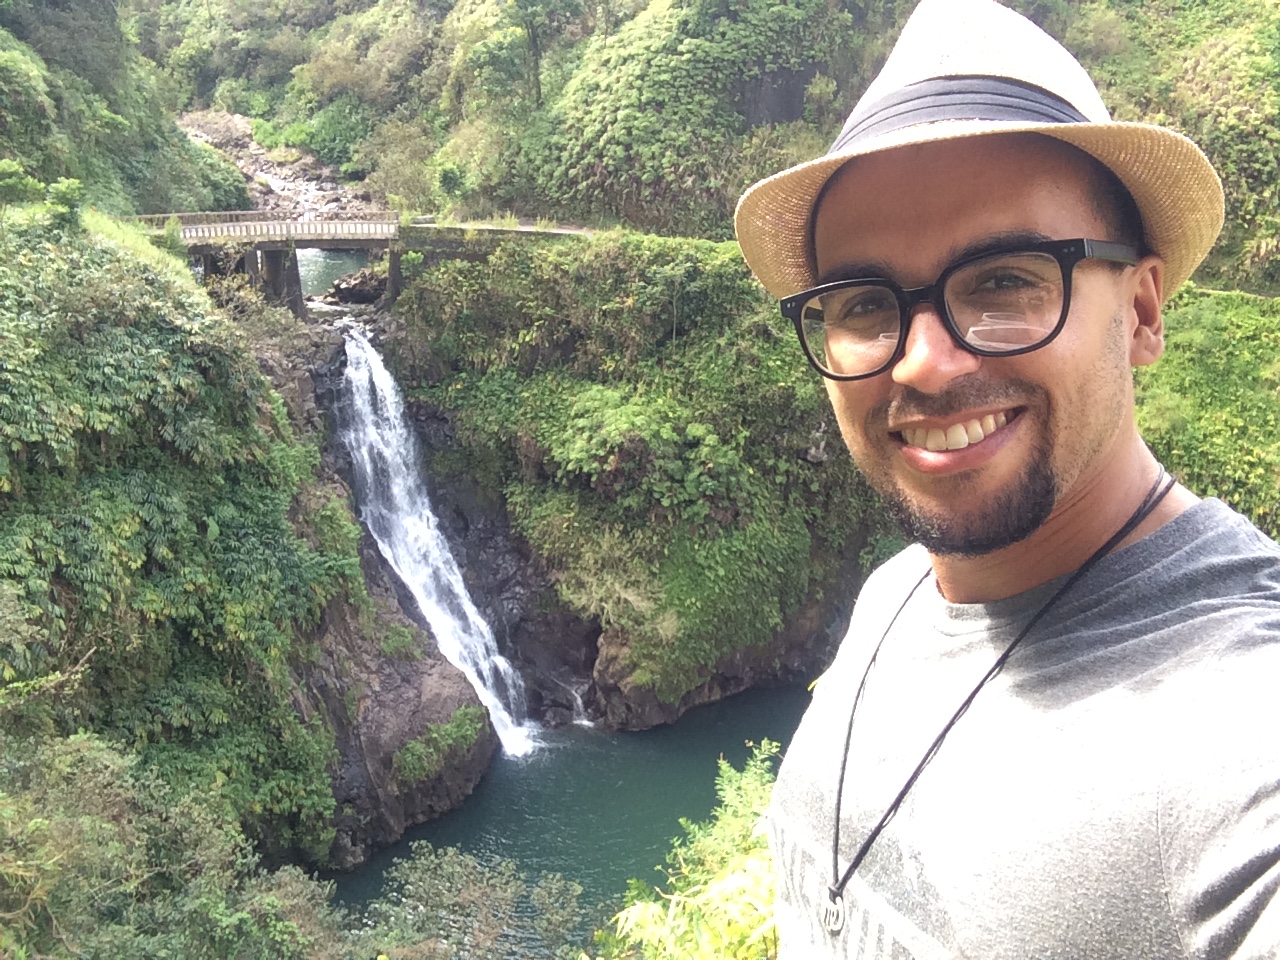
(1007, 518)
(1014, 515)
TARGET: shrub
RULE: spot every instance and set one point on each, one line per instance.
(717, 898)
(424, 757)
(1210, 408)
(149, 476)
(648, 423)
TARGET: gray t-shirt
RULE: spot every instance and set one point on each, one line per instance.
(1114, 792)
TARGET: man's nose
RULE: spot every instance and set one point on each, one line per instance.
(931, 359)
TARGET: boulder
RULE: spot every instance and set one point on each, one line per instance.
(363, 286)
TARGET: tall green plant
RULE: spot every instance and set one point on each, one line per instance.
(147, 480)
(716, 900)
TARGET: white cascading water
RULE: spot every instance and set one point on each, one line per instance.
(394, 506)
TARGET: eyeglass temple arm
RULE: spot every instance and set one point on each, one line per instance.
(1114, 252)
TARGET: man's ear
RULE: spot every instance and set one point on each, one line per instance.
(1146, 290)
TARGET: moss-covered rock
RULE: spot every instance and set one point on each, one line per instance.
(659, 442)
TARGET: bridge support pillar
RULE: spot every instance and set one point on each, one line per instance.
(251, 266)
(282, 281)
(395, 278)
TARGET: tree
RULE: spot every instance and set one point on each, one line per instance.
(16, 187)
(539, 20)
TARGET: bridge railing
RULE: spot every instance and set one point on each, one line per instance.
(158, 221)
(387, 229)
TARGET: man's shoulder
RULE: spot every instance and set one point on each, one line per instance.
(1209, 553)
(899, 573)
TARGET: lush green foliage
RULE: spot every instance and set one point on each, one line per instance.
(650, 423)
(101, 858)
(449, 904)
(658, 114)
(147, 476)
(1209, 70)
(425, 756)
(717, 899)
(1211, 407)
(80, 103)
(645, 125)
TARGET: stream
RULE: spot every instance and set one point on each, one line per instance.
(320, 268)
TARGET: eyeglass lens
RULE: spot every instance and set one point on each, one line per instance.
(1001, 303)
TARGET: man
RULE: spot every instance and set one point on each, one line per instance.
(1048, 732)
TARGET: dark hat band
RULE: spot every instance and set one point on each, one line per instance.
(957, 98)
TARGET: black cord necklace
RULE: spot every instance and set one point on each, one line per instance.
(834, 912)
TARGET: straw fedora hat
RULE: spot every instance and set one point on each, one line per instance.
(968, 68)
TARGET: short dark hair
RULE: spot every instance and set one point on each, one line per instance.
(1115, 206)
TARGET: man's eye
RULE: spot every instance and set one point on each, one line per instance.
(1001, 282)
(871, 306)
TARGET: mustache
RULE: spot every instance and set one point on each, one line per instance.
(910, 403)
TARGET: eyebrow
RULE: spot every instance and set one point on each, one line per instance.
(1005, 242)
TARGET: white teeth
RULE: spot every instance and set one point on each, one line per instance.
(955, 437)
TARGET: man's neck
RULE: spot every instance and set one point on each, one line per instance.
(1082, 522)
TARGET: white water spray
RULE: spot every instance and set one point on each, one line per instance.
(394, 505)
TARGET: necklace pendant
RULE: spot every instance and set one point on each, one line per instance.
(833, 912)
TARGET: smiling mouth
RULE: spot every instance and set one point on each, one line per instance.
(955, 436)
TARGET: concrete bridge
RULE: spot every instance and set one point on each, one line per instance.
(271, 237)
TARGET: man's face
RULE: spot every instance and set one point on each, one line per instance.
(906, 215)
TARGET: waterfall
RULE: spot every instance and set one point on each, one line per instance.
(394, 506)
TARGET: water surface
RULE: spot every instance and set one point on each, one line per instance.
(319, 268)
(599, 808)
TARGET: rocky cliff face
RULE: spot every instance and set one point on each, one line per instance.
(377, 702)
(375, 695)
(797, 655)
(568, 663)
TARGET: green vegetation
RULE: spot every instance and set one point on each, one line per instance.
(657, 114)
(717, 901)
(167, 546)
(475, 909)
(146, 481)
(101, 858)
(400, 641)
(425, 756)
(80, 103)
(1210, 407)
(648, 423)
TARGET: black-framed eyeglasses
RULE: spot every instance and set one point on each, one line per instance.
(993, 305)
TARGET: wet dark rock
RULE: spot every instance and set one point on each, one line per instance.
(376, 704)
(555, 717)
(363, 286)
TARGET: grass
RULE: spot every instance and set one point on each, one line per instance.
(135, 238)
